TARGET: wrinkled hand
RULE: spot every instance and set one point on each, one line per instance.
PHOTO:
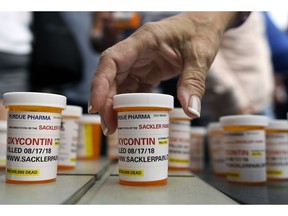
(183, 45)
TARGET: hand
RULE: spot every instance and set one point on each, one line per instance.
(183, 45)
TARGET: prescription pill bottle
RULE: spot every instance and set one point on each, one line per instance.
(143, 137)
(33, 135)
(112, 151)
(216, 151)
(245, 148)
(197, 147)
(3, 143)
(179, 140)
(277, 150)
(89, 147)
(69, 137)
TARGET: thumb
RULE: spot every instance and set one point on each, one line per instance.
(191, 88)
(198, 55)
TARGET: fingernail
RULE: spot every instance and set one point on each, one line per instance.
(89, 108)
(104, 128)
(194, 106)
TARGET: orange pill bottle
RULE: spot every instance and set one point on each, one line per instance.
(245, 148)
(197, 147)
(277, 150)
(33, 136)
(90, 142)
(216, 151)
(179, 140)
(69, 137)
(143, 138)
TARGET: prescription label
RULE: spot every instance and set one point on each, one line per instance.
(179, 146)
(143, 140)
(245, 154)
(33, 140)
(216, 148)
(277, 155)
(69, 137)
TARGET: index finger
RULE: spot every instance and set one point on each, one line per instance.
(113, 68)
(102, 83)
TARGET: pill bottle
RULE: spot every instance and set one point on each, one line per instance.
(245, 148)
(112, 151)
(216, 152)
(277, 150)
(33, 136)
(179, 140)
(3, 143)
(143, 138)
(197, 147)
(90, 142)
(69, 137)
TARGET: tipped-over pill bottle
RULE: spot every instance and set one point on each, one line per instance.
(179, 140)
(90, 142)
(33, 136)
(143, 138)
(216, 151)
(69, 137)
(245, 148)
(197, 148)
(3, 143)
(277, 150)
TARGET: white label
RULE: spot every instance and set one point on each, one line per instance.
(179, 144)
(217, 153)
(143, 139)
(3, 147)
(245, 156)
(69, 138)
(112, 150)
(32, 145)
(277, 155)
(81, 150)
(196, 153)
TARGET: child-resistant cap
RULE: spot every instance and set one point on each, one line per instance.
(143, 100)
(198, 130)
(90, 118)
(279, 124)
(3, 125)
(178, 113)
(72, 110)
(214, 126)
(34, 99)
(244, 120)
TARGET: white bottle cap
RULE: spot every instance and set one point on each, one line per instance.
(90, 118)
(34, 99)
(278, 124)
(3, 125)
(198, 130)
(178, 113)
(214, 126)
(244, 120)
(143, 100)
(72, 110)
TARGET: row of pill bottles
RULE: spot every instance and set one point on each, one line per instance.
(42, 134)
(186, 143)
(249, 149)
